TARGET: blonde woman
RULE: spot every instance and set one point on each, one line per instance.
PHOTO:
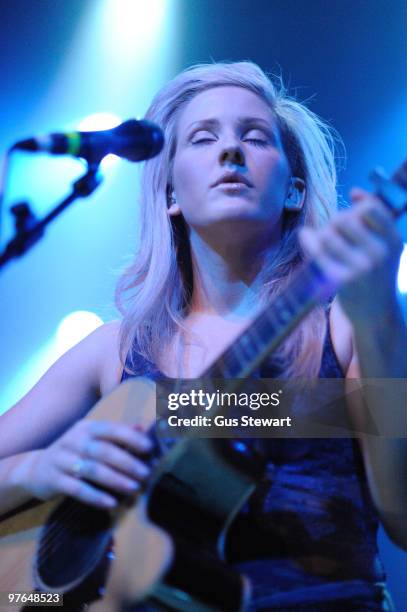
(243, 191)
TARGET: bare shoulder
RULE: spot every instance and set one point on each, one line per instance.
(100, 351)
(342, 336)
(66, 392)
(98, 356)
(110, 366)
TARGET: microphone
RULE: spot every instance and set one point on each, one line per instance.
(133, 140)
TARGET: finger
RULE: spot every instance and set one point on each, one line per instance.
(332, 265)
(84, 492)
(351, 229)
(328, 243)
(97, 473)
(357, 195)
(311, 244)
(374, 217)
(105, 476)
(120, 433)
(79, 437)
(334, 245)
(308, 242)
(116, 458)
(371, 210)
(352, 242)
(336, 272)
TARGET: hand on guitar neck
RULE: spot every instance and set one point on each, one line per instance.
(359, 251)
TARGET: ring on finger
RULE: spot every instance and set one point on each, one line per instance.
(78, 468)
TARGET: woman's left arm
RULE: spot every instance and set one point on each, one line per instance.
(385, 458)
(360, 251)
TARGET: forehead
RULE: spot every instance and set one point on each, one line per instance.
(225, 103)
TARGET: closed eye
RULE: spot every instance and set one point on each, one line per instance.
(203, 141)
(257, 137)
(257, 142)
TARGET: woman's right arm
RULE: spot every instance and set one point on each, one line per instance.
(44, 437)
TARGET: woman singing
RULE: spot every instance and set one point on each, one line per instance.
(242, 194)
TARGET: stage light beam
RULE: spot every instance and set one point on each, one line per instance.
(72, 329)
(402, 275)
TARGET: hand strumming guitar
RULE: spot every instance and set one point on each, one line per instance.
(88, 459)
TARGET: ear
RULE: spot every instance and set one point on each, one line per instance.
(296, 194)
(173, 208)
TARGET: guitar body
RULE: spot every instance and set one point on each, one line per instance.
(19, 533)
(167, 545)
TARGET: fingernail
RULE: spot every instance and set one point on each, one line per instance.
(133, 486)
(142, 469)
(146, 443)
(108, 502)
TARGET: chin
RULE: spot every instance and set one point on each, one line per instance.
(241, 212)
(245, 219)
(236, 210)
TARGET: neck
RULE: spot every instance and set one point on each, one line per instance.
(227, 275)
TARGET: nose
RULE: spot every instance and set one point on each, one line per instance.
(232, 155)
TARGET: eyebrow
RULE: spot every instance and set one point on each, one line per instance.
(242, 122)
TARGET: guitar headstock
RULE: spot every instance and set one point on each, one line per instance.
(392, 191)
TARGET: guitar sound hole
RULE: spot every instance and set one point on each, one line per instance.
(73, 542)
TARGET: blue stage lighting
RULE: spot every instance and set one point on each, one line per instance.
(402, 276)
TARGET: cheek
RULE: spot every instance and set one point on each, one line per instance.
(187, 186)
(190, 181)
(184, 176)
(276, 177)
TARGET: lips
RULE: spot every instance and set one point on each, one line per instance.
(232, 177)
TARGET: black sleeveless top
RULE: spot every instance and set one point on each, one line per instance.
(307, 538)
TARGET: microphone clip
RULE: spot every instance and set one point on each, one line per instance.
(28, 229)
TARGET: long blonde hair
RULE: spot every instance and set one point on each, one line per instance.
(154, 292)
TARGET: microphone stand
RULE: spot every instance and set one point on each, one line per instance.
(28, 229)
